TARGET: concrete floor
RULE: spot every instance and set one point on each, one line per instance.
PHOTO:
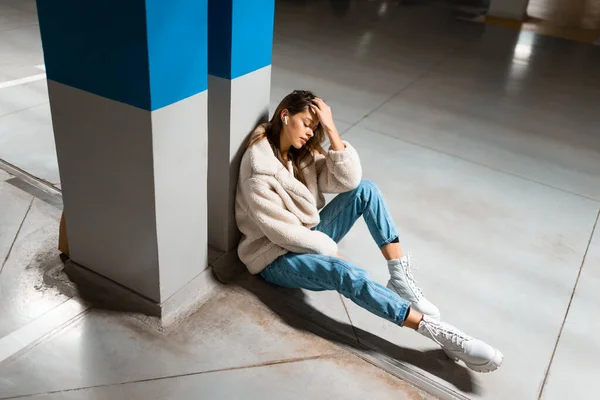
(234, 347)
(486, 143)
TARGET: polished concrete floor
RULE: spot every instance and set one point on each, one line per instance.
(486, 143)
(235, 347)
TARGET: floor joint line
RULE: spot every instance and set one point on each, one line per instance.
(16, 235)
(547, 373)
(349, 318)
(435, 66)
(250, 366)
(483, 165)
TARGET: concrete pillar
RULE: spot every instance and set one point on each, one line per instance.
(128, 92)
(509, 9)
(240, 51)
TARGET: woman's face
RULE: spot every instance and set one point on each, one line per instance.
(298, 128)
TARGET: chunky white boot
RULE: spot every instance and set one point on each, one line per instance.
(477, 355)
(402, 282)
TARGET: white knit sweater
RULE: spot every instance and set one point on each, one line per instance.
(275, 212)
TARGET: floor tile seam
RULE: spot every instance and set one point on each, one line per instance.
(495, 169)
(33, 13)
(33, 180)
(349, 318)
(16, 235)
(22, 109)
(39, 316)
(397, 369)
(22, 26)
(403, 371)
(48, 198)
(56, 330)
(447, 57)
(183, 375)
(549, 367)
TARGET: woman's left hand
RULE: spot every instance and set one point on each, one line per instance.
(323, 111)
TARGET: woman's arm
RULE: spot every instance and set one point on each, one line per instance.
(339, 170)
(282, 227)
(323, 111)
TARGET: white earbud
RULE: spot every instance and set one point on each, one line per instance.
(285, 120)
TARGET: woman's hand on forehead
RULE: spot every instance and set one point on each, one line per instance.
(323, 112)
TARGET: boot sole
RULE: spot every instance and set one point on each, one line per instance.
(490, 366)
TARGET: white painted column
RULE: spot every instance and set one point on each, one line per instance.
(240, 52)
(509, 9)
(128, 92)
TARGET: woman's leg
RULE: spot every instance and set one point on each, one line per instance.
(318, 272)
(392, 251)
(338, 217)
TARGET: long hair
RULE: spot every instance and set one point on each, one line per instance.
(295, 102)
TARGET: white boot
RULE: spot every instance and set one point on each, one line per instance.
(477, 355)
(402, 282)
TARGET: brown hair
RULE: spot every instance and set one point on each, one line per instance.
(295, 102)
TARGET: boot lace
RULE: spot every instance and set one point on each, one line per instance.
(408, 266)
(449, 333)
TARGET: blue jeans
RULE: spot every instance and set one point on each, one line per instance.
(318, 272)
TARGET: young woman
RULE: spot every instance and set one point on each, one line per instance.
(286, 240)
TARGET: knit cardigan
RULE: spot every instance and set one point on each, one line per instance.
(275, 212)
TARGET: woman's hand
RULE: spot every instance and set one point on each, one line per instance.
(323, 111)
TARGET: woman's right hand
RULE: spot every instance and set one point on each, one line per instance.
(323, 111)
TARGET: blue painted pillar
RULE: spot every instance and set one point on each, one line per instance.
(128, 91)
(240, 37)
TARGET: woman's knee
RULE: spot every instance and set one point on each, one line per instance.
(368, 188)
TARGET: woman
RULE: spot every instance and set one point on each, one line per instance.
(283, 176)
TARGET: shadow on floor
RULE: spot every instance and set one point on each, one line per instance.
(291, 306)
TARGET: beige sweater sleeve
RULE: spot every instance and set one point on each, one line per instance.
(338, 171)
(282, 227)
